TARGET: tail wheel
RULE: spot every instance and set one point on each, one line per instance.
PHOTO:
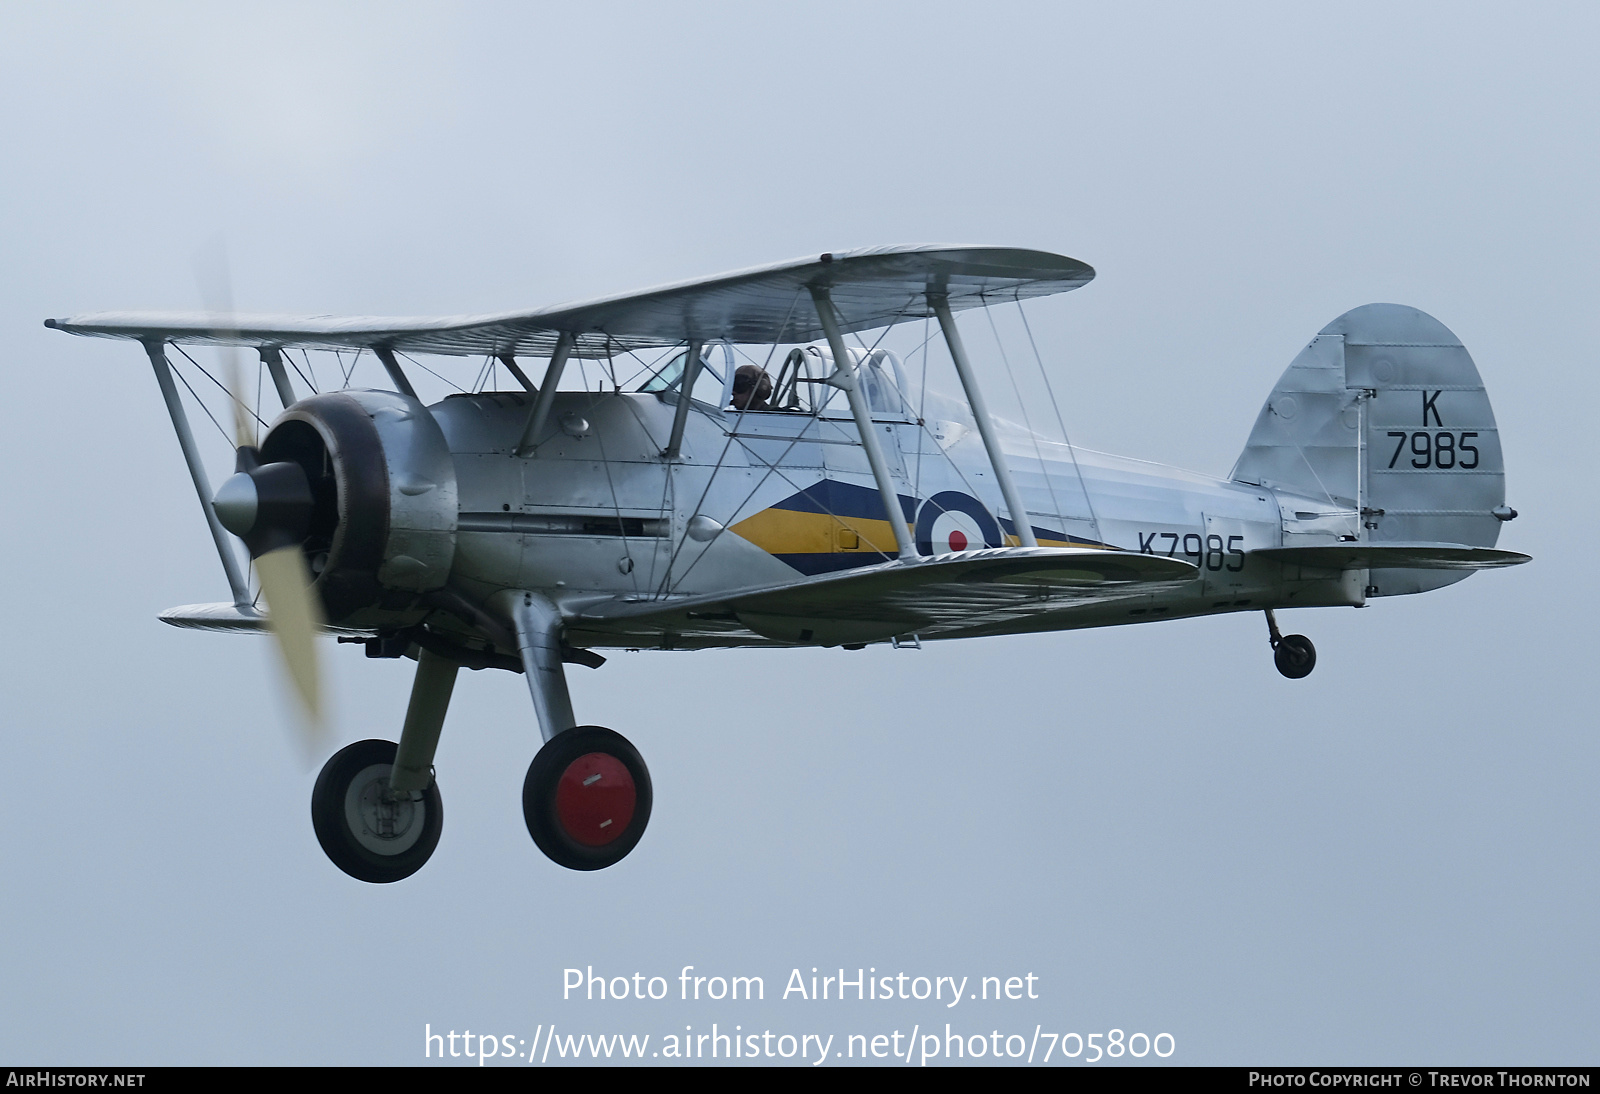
(1295, 656)
(587, 798)
(368, 831)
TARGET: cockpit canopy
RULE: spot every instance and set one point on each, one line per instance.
(800, 385)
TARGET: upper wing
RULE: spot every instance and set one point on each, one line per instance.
(870, 288)
(930, 597)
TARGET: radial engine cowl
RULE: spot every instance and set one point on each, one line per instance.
(381, 526)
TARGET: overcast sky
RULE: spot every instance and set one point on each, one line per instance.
(1391, 861)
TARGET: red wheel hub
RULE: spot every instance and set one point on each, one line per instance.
(595, 799)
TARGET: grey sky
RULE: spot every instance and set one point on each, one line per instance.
(1393, 860)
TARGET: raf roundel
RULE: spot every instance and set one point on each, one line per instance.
(951, 522)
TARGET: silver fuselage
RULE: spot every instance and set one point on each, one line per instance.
(596, 513)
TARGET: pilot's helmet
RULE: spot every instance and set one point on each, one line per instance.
(752, 377)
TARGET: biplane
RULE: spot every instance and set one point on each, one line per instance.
(772, 481)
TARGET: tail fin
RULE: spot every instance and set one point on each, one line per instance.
(1384, 415)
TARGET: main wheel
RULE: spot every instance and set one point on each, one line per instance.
(369, 832)
(587, 798)
(1295, 656)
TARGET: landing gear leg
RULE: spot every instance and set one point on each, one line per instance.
(1293, 654)
(538, 626)
(419, 737)
(376, 809)
(587, 796)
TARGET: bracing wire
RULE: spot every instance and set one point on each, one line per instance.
(1094, 521)
(666, 578)
(308, 380)
(220, 385)
(616, 502)
(432, 373)
(647, 369)
(485, 373)
(774, 467)
(199, 401)
(1027, 424)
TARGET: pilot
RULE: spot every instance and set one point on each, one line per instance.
(752, 387)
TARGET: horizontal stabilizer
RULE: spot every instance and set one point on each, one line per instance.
(1394, 556)
(232, 618)
(927, 597)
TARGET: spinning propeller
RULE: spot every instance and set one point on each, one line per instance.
(269, 507)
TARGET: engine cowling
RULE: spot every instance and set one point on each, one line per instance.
(383, 524)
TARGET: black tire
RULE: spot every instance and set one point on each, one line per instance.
(349, 816)
(1295, 656)
(569, 823)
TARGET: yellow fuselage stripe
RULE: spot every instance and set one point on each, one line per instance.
(786, 532)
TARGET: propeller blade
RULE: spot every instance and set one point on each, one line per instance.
(212, 271)
(295, 619)
(294, 614)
